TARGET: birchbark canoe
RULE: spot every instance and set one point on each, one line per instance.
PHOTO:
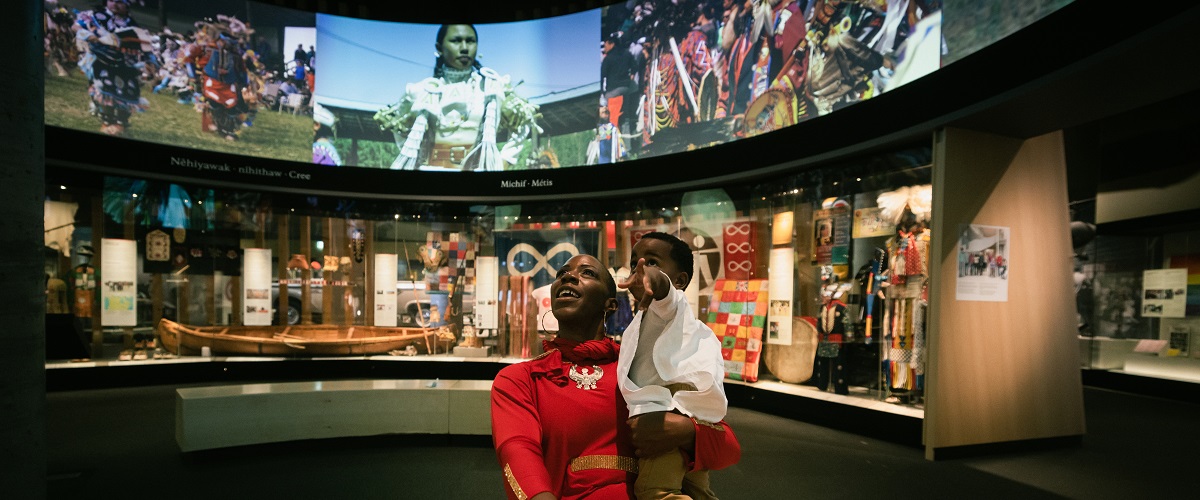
(294, 340)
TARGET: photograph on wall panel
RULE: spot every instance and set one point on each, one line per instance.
(983, 263)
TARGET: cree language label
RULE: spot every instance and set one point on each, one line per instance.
(243, 170)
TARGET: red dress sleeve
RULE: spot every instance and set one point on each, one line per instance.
(516, 433)
(716, 446)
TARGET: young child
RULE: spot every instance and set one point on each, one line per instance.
(669, 361)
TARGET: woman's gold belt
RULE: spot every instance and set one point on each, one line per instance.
(613, 462)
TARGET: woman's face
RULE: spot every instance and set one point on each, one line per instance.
(458, 47)
(579, 289)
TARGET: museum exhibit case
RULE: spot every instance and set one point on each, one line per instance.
(839, 256)
(795, 272)
(249, 213)
(1134, 239)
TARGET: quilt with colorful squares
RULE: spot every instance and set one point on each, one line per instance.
(737, 314)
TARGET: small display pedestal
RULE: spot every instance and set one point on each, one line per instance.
(472, 352)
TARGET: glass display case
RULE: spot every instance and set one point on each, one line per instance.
(814, 279)
(1138, 295)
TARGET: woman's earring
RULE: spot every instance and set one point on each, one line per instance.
(541, 320)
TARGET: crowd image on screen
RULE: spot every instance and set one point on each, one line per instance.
(692, 73)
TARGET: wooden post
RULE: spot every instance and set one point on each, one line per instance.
(238, 311)
(281, 241)
(327, 289)
(503, 306)
(762, 243)
(97, 235)
(519, 317)
(260, 235)
(237, 316)
(128, 233)
(334, 246)
(156, 298)
(184, 297)
(529, 320)
(369, 273)
(351, 275)
(602, 252)
(306, 271)
(210, 299)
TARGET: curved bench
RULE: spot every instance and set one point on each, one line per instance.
(244, 414)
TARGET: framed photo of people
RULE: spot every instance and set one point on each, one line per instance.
(983, 263)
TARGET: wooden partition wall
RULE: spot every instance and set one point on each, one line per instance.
(1002, 372)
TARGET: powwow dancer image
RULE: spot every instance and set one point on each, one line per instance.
(60, 48)
(115, 56)
(224, 78)
(679, 58)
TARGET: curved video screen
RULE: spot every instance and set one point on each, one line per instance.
(223, 84)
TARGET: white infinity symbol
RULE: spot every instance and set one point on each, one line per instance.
(543, 261)
(738, 266)
(743, 229)
(737, 247)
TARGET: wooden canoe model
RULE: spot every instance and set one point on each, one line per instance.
(295, 340)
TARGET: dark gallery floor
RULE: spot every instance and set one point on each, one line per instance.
(119, 443)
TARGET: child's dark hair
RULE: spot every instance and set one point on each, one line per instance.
(681, 253)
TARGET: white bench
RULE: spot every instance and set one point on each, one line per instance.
(236, 415)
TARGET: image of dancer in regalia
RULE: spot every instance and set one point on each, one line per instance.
(116, 49)
(458, 118)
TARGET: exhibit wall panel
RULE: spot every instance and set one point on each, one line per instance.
(1002, 370)
(1157, 193)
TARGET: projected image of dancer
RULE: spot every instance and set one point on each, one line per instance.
(116, 47)
(456, 119)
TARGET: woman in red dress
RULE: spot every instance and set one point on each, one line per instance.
(560, 426)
